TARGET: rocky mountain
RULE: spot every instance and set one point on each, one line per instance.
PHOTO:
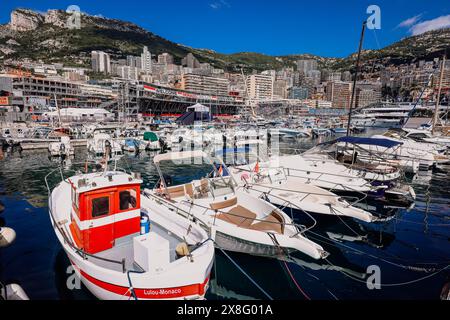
(46, 37)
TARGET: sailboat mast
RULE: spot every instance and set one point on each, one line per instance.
(438, 98)
(361, 40)
(57, 108)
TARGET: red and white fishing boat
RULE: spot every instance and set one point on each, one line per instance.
(121, 247)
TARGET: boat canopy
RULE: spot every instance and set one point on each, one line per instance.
(172, 156)
(150, 136)
(387, 143)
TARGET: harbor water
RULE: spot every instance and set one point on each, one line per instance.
(410, 248)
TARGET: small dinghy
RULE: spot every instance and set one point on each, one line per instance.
(121, 247)
(240, 221)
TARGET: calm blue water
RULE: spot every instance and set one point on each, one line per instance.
(411, 249)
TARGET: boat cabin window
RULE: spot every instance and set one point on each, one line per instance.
(74, 198)
(127, 199)
(100, 207)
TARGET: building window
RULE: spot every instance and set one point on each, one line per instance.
(100, 207)
(127, 199)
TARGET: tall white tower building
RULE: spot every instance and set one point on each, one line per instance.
(146, 61)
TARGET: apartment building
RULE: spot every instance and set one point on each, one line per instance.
(260, 87)
(204, 84)
(339, 93)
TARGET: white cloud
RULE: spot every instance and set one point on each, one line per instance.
(409, 22)
(219, 4)
(428, 25)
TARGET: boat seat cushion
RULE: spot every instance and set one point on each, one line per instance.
(224, 204)
(271, 223)
(176, 192)
(239, 216)
(189, 190)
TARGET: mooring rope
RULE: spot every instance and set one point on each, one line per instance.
(245, 274)
(412, 268)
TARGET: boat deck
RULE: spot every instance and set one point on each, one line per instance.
(123, 249)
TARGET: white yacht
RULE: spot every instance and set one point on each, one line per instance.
(239, 221)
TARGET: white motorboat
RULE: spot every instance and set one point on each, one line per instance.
(285, 188)
(62, 148)
(101, 143)
(426, 153)
(370, 166)
(324, 174)
(240, 221)
(122, 246)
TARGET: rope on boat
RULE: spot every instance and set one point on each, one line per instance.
(337, 213)
(245, 274)
(284, 252)
(412, 268)
(131, 288)
(393, 284)
(295, 281)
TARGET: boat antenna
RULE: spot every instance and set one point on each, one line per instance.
(361, 40)
(438, 98)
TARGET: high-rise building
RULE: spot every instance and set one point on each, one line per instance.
(190, 61)
(300, 93)
(146, 61)
(165, 58)
(101, 62)
(205, 84)
(334, 76)
(128, 73)
(305, 65)
(366, 97)
(346, 76)
(260, 87)
(339, 93)
(446, 77)
(133, 61)
(367, 93)
(280, 87)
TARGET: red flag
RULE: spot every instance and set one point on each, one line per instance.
(256, 169)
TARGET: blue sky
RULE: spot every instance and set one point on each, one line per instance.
(325, 27)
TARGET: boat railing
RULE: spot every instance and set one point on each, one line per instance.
(335, 187)
(288, 204)
(306, 194)
(58, 225)
(172, 207)
(300, 228)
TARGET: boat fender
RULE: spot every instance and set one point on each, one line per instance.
(182, 249)
(13, 292)
(7, 237)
